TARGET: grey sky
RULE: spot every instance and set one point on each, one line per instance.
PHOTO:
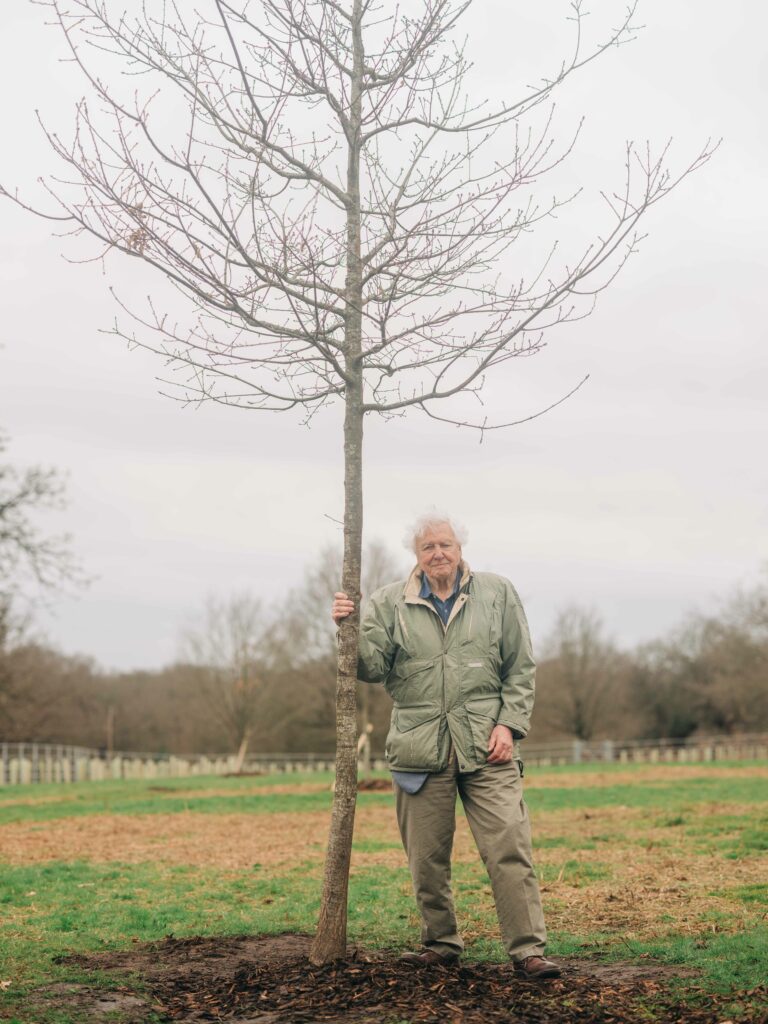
(645, 495)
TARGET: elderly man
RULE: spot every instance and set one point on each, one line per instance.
(453, 650)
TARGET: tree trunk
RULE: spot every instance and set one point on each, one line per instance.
(110, 744)
(330, 942)
(241, 752)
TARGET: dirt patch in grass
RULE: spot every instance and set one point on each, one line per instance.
(536, 778)
(375, 785)
(269, 980)
(541, 778)
(611, 869)
(228, 841)
(276, 789)
(191, 791)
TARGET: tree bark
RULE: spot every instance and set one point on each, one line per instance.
(241, 752)
(330, 941)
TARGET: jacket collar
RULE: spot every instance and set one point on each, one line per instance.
(412, 589)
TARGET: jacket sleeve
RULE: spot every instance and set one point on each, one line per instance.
(376, 649)
(518, 669)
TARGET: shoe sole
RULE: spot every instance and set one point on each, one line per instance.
(415, 959)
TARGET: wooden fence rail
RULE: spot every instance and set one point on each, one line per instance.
(46, 762)
(746, 747)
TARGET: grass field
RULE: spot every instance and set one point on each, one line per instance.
(638, 864)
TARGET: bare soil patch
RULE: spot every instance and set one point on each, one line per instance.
(228, 841)
(536, 779)
(285, 839)
(269, 980)
(637, 879)
(374, 785)
(190, 791)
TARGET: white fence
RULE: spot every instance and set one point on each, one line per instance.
(54, 763)
(744, 747)
(45, 762)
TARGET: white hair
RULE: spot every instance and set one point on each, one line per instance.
(428, 520)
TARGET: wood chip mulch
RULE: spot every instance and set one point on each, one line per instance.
(362, 989)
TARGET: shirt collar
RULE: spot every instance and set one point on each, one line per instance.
(426, 590)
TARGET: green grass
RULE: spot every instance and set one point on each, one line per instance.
(672, 796)
(78, 906)
(55, 909)
(60, 908)
(749, 894)
(253, 796)
(574, 872)
(727, 961)
(171, 796)
(50, 909)
(734, 836)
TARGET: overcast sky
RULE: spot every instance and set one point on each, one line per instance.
(644, 496)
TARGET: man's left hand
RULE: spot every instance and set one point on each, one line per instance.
(501, 746)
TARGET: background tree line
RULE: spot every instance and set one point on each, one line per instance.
(249, 682)
(252, 681)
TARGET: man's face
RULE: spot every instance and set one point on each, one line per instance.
(438, 553)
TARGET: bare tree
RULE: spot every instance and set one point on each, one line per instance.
(232, 647)
(710, 673)
(43, 693)
(734, 645)
(306, 617)
(336, 209)
(29, 555)
(33, 562)
(308, 628)
(581, 677)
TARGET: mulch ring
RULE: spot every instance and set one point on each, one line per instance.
(269, 980)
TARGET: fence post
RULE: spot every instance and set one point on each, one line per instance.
(43, 762)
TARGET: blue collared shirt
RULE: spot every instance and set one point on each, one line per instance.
(443, 608)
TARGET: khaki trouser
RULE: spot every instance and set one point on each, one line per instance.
(495, 809)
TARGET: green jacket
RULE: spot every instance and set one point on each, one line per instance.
(448, 683)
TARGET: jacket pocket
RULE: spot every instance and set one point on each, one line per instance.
(482, 713)
(479, 674)
(411, 679)
(412, 741)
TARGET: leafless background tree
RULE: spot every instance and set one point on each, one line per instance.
(306, 617)
(712, 669)
(306, 611)
(313, 176)
(707, 676)
(233, 648)
(33, 562)
(581, 676)
(32, 559)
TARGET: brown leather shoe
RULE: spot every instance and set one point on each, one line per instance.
(430, 958)
(537, 967)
